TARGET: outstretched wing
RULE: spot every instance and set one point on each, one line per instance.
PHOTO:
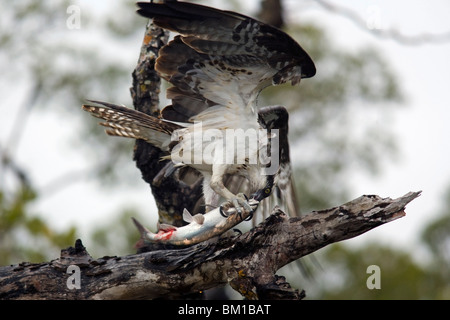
(218, 64)
(221, 59)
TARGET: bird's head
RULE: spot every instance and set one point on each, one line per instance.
(266, 191)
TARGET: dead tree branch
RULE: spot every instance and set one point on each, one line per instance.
(248, 262)
(387, 33)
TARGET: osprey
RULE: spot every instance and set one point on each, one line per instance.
(218, 64)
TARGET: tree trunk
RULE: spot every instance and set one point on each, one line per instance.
(171, 195)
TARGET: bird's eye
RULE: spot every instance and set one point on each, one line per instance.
(267, 191)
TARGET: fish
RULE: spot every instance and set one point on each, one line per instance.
(200, 227)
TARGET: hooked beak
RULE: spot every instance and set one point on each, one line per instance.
(261, 194)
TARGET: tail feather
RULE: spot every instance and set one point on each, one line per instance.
(125, 122)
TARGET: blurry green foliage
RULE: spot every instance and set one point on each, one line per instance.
(116, 236)
(56, 69)
(400, 276)
(23, 235)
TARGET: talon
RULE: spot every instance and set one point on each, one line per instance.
(222, 213)
(239, 232)
(240, 205)
(250, 217)
(241, 200)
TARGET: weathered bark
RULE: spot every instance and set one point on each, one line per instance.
(247, 262)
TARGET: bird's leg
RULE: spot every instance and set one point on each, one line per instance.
(211, 197)
(238, 201)
(239, 205)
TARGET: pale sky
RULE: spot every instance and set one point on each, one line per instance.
(421, 125)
